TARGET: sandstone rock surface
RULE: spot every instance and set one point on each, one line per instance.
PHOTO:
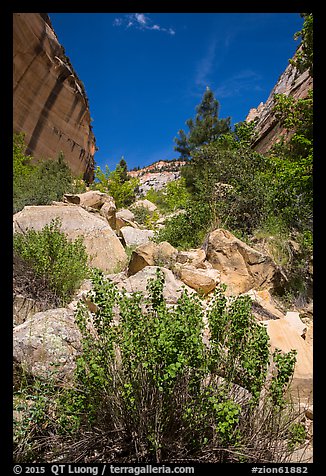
(138, 282)
(102, 245)
(150, 207)
(134, 237)
(268, 128)
(284, 336)
(92, 198)
(48, 343)
(49, 101)
(150, 254)
(202, 280)
(242, 267)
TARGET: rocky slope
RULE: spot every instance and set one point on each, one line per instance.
(268, 129)
(49, 100)
(157, 175)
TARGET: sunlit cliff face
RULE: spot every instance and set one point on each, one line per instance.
(49, 101)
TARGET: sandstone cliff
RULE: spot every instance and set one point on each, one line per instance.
(49, 101)
(268, 128)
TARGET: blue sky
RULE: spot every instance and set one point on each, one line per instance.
(144, 73)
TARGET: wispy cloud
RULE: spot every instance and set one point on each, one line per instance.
(239, 83)
(141, 22)
(205, 65)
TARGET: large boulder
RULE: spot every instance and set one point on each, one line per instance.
(285, 336)
(47, 344)
(150, 254)
(202, 280)
(108, 211)
(102, 245)
(264, 305)
(150, 207)
(173, 287)
(242, 267)
(194, 257)
(134, 237)
(142, 256)
(92, 198)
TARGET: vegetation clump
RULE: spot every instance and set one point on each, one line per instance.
(148, 389)
(42, 182)
(58, 264)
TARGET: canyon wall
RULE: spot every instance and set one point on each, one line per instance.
(268, 128)
(49, 101)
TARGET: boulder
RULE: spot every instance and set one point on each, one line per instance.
(48, 343)
(242, 267)
(125, 214)
(125, 217)
(283, 336)
(142, 256)
(150, 254)
(294, 320)
(202, 280)
(102, 245)
(173, 287)
(195, 257)
(92, 198)
(263, 305)
(134, 237)
(108, 211)
(165, 254)
(150, 207)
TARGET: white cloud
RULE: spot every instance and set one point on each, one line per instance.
(141, 22)
(140, 17)
(240, 82)
(205, 65)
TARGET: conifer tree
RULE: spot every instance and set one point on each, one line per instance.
(206, 127)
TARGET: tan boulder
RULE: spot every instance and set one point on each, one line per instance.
(195, 257)
(142, 256)
(125, 214)
(48, 343)
(124, 217)
(150, 254)
(150, 207)
(172, 290)
(108, 211)
(242, 267)
(165, 254)
(264, 306)
(294, 320)
(133, 237)
(92, 198)
(102, 245)
(284, 337)
(202, 280)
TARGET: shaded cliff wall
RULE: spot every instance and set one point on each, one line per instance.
(268, 128)
(49, 101)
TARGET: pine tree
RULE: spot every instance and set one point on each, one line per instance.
(205, 128)
(123, 170)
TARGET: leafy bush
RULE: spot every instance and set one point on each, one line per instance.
(41, 183)
(61, 264)
(115, 184)
(188, 228)
(147, 388)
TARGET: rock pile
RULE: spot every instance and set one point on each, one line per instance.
(47, 338)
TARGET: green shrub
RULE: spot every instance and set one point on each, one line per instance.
(115, 183)
(149, 388)
(188, 228)
(60, 263)
(40, 183)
